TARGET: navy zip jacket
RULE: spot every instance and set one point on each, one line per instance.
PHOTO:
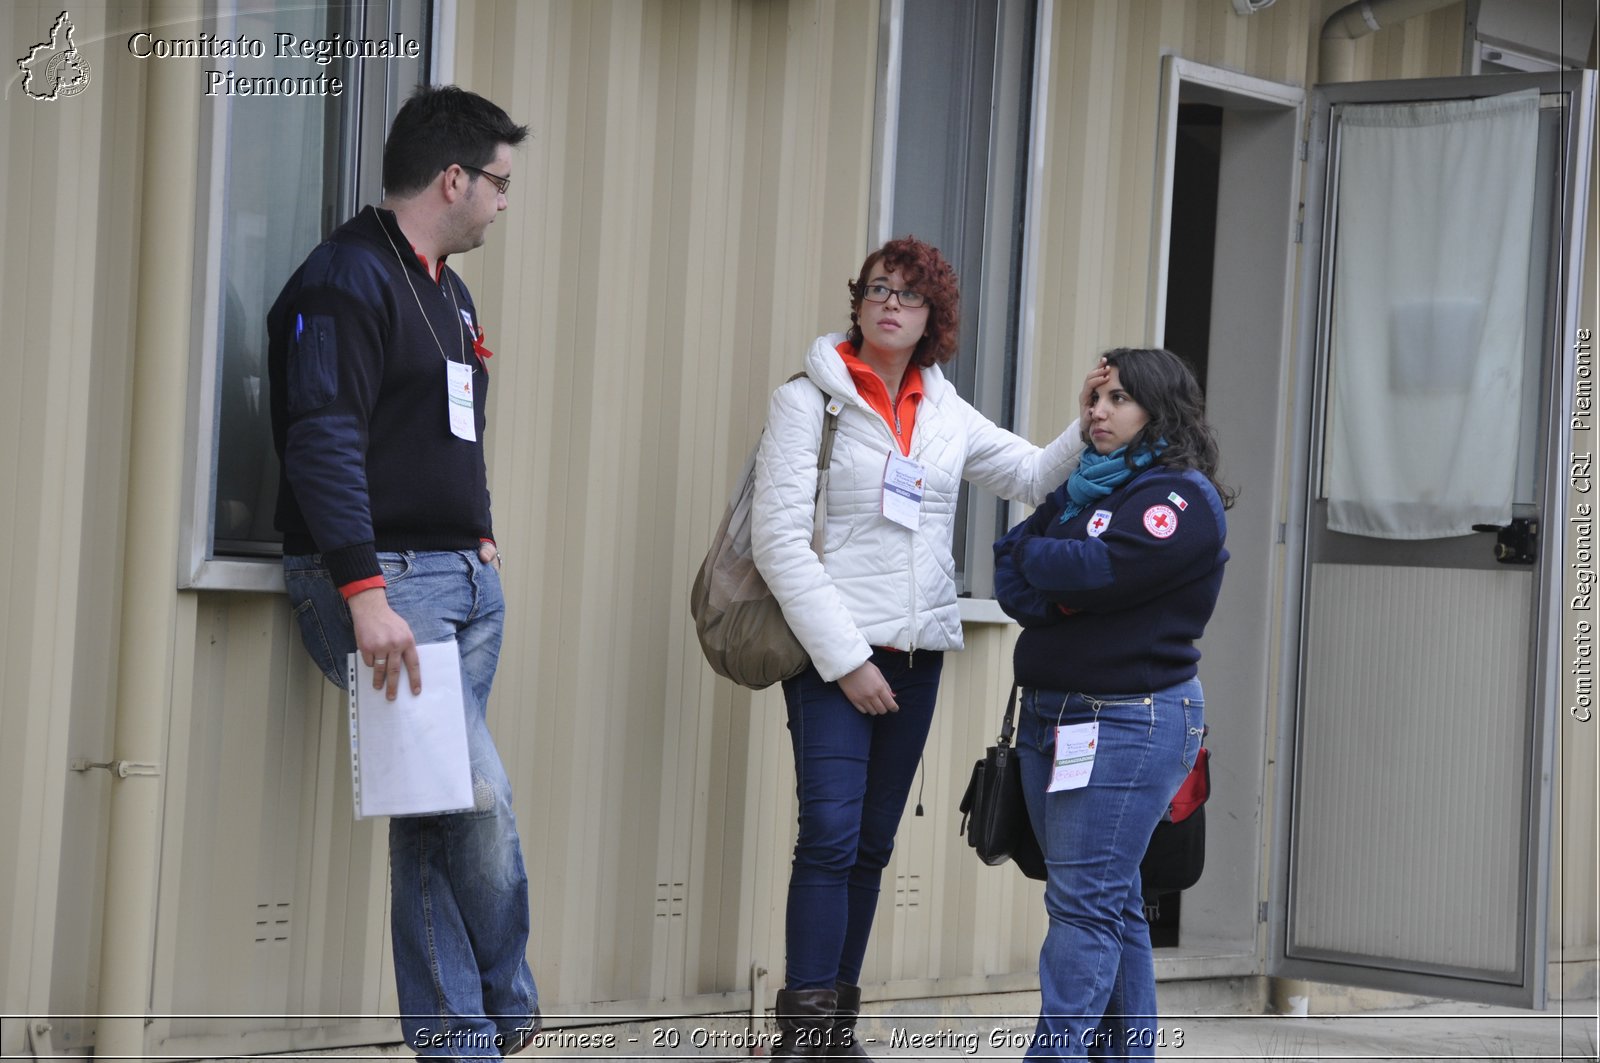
(359, 409)
(1112, 601)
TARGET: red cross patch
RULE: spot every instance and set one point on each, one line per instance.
(1160, 521)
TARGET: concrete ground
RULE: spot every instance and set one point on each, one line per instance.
(1201, 1021)
(995, 1027)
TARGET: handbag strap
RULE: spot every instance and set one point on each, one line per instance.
(819, 504)
(830, 428)
(1008, 727)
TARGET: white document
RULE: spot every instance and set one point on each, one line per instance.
(1074, 759)
(408, 756)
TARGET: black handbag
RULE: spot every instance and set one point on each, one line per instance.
(994, 814)
(1176, 855)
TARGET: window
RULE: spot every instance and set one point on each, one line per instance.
(282, 172)
(955, 169)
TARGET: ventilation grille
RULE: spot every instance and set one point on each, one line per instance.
(670, 900)
(272, 922)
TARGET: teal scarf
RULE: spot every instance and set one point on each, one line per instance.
(1100, 474)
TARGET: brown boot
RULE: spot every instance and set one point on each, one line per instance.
(805, 1024)
(846, 1008)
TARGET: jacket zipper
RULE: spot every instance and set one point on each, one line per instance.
(911, 542)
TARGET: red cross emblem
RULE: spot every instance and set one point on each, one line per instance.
(1160, 521)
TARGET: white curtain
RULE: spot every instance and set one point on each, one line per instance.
(1430, 291)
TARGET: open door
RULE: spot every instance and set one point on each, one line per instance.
(1442, 257)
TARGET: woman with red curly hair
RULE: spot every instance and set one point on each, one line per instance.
(877, 609)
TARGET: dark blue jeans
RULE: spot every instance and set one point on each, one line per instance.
(852, 775)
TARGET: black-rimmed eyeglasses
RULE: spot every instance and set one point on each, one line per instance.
(879, 293)
(501, 183)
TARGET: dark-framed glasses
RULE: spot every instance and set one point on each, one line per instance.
(879, 293)
(501, 183)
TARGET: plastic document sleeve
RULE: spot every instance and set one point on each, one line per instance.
(408, 757)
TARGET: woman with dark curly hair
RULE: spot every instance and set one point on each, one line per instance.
(877, 609)
(1113, 580)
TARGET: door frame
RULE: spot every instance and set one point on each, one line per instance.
(1315, 279)
(1248, 389)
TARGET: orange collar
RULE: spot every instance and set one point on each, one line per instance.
(870, 386)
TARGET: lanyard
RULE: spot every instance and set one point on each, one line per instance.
(455, 308)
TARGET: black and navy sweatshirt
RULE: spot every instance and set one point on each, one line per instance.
(359, 408)
(1112, 601)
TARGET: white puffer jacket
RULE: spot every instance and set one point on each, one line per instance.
(878, 583)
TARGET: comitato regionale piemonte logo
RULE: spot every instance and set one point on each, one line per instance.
(55, 69)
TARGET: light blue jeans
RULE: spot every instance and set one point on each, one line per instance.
(1097, 978)
(459, 911)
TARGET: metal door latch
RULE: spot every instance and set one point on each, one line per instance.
(120, 768)
(1516, 543)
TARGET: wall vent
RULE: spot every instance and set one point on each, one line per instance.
(272, 922)
(669, 900)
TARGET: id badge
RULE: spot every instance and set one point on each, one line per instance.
(458, 385)
(902, 491)
(1074, 756)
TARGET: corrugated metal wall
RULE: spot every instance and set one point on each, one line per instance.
(695, 195)
(695, 170)
(69, 196)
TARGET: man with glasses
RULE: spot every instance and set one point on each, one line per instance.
(379, 380)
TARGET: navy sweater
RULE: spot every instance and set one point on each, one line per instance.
(359, 409)
(1137, 573)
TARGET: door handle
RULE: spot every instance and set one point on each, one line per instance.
(1516, 543)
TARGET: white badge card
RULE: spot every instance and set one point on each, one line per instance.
(902, 491)
(458, 383)
(1074, 757)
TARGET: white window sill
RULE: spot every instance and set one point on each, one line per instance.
(982, 611)
(260, 577)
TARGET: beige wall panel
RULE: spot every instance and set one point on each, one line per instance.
(659, 276)
(68, 185)
(273, 895)
(1423, 47)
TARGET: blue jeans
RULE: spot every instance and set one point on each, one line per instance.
(459, 912)
(852, 775)
(1097, 979)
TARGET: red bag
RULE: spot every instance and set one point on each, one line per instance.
(1195, 789)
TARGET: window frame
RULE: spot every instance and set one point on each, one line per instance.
(377, 94)
(1000, 381)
